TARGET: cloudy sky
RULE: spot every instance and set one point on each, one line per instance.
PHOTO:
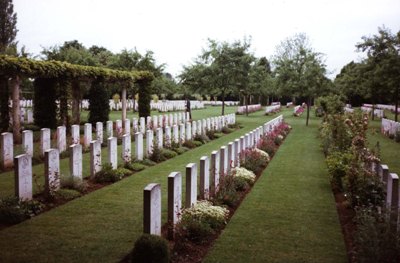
(177, 30)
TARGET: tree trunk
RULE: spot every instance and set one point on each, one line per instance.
(76, 95)
(247, 105)
(396, 97)
(123, 104)
(4, 110)
(16, 110)
(308, 110)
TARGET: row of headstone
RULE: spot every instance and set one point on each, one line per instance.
(377, 112)
(392, 108)
(250, 108)
(289, 104)
(219, 103)
(23, 162)
(22, 103)
(155, 122)
(212, 169)
(272, 109)
(389, 127)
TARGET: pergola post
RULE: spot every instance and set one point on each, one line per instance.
(76, 94)
(123, 104)
(16, 110)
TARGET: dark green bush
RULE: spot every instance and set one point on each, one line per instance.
(218, 135)
(201, 138)
(150, 249)
(136, 167)
(107, 175)
(168, 154)
(226, 130)
(74, 183)
(198, 143)
(67, 194)
(99, 104)
(189, 144)
(148, 162)
(181, 150)
(227, 193)
(234, 126)
(44, 98)
(157, 155)
(338, 164)
(13, 210)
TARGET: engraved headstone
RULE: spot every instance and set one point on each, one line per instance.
(99, 132)
(87, 135)
(191, 185)
(188, 131)
(214, 169)
(168, 138)
(126, 148)
(23, 176)
(75, 134)
(175, 133)
(52, 170)
(223, 155)
(127, 126)
(204, 178)
(112, 152)
(118, 128)
(61, 139)
(27, 142)
(149, 142)
(95, 157)
(142, 125)
(152, 209)
(174, 200)
(109, 129)
(45, 141)
(139, 146)
(75, 161)
(182, 132)
(159, 135)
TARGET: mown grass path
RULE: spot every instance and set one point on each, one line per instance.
(102, 226)
(290, 214)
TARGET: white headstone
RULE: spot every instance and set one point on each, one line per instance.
(61, 139)
(30, 116)
(87, 135)
(155, 122)
(99, 131)
(139, 146)
(199, 128)
(75, 161)
(112, 152)
(95, 157)
(45, 141)
(127, 126)
(23, 176)
(27, 142)
(230, 156)
(160, 138)
(182, 132)
(223, 155)
(75, 134)
(194, 129)
(191, 184)
(52, 170)
(152, 209)
(204, 178)
(109, 129)
(175, 133)
(188, 131)
(142, 125)
(215, 163)
(236, 153)
(174, 199)
(126, 148)
(149, 122)
(149, 142)
(168, 137)
(135, 125)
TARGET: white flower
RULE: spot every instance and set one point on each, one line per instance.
(204, 210)
(244, 173)
(263, 154)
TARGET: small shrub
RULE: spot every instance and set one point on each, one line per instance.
(198, 143)
(31, 127)
(234, 126)
(148, 162)
(157, 156)
(201, 138)
(268, 145)
(254, 160)
(150, 249)
(72, 182)
(338, 164)
(189, 144)
(227, 194)
(218, 135)
(122, 172)
(14, 210)
(278, 140)
(181, 150)
(136, 167)
(107, 175)
(67, 194)
(226, 130)
(168, 154)
(202, 219)
(243, 178)
(211, 134)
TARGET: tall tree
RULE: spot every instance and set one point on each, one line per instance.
(8, 32)
(299, 69)
(383, 64)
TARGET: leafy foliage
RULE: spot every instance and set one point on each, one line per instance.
(150, 249)
(45, 109)
(98, 107)
(14, 210)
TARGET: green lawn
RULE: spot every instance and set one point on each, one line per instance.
(290, 214)
(102, 226)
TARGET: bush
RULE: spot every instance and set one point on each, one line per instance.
(226, 130)
(108, 175)
(278, 140)
(202, 219)
(181, 150)
(44, 98)
(218, 135)
(243, 178)
(71, 182)
(338, 164)
(67, 194)
(198, 143)
(13, 210)
(189, 144)
(234, 126)
(254, 160)
(168, 154)
(150, 249)
(376, 240)
(211, 134)
(157, 156)
(148, 162)
(99, 107)
(201, 138)
(227, 193)
(268, 145)
(31, 127)
(136, 167)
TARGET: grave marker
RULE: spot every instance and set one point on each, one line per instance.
(75, 161)
(152, 209)
(23, 176)
(204, 178)
(112, 152)
(191, 185)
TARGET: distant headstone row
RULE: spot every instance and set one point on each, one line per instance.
(219, 103)
(250, 108)
(389, 127)
(392, 108)
(23, 162)
(212, 168)
(272, 109)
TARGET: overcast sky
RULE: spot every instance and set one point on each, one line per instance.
(177, 30)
